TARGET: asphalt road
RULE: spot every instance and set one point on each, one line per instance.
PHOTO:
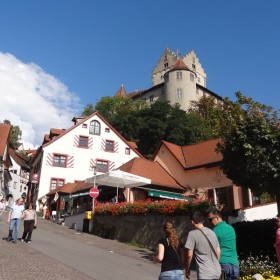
(60, 253)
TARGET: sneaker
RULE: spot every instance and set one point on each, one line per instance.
(22, 240)
(14, 241)
(28, 242)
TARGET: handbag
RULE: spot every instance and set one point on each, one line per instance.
(223, 274)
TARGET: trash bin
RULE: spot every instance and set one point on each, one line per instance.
(88, 215)
(86, 225)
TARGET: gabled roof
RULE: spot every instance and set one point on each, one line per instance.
(80, 123)
(203, 153)
(177, 151)
(152, 170)
(19, 159)
(179, 65)
(54, 132)
(72, 187)
(4, 137)
(195, 155)
(121, 92)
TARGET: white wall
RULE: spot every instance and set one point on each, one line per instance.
(262, 212)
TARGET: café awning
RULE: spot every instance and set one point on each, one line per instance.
(166, 195)
(119, 179)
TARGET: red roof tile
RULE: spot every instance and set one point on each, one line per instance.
(203, 153)
(72, 188)
(195, 155)
(177, 151)
(121, 92)
(151, 170)
(180, 65)
(4, 137)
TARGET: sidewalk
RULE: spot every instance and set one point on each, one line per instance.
(21, 260)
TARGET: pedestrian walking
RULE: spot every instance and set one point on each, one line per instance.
(170, 254)
(45, 211)
(277, 240)
(14, 220)
(29, 221)
(227, 240)
(204, 245)
(2, 207)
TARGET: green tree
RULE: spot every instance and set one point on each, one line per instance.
(210, 110)
(88, 110)
(251, 145)
(15, 135)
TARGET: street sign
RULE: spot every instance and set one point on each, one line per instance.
(94, 192)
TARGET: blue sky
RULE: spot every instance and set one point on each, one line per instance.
(84, 50)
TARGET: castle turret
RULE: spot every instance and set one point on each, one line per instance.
(180, 85)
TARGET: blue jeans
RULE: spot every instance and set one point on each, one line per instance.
(231, 270)
(14, 226)
(172, 275)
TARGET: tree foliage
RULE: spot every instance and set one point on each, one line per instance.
(148, 125)
(251, 145)
(88, 110)
(15, 135)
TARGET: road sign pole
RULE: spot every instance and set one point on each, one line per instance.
(92, 206)
(94, 175)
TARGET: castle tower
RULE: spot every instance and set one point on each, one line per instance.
(180, 85)
(121, 92)
(167, 59)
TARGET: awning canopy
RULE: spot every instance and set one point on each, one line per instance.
(167, 195)
(119, 179)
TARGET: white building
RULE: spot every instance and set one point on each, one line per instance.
(73, 155)
(19, 172)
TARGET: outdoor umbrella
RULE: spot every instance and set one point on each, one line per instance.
(119, 179)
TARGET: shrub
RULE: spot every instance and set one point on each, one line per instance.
(168, 207)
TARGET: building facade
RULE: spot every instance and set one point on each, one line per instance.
(91, 146)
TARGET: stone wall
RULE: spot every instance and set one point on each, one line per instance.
(145, 230)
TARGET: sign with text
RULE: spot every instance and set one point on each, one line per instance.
(94, 192)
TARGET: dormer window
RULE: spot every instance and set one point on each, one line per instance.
(165, 65)
(94, 128)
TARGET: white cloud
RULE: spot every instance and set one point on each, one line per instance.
(34, 100)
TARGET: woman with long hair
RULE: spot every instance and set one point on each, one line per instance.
(170, 254)
(30, 220)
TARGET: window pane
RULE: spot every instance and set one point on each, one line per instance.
(83, 141)
(102, 166)
(109, 146)
(59, 160)
(94, 128)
